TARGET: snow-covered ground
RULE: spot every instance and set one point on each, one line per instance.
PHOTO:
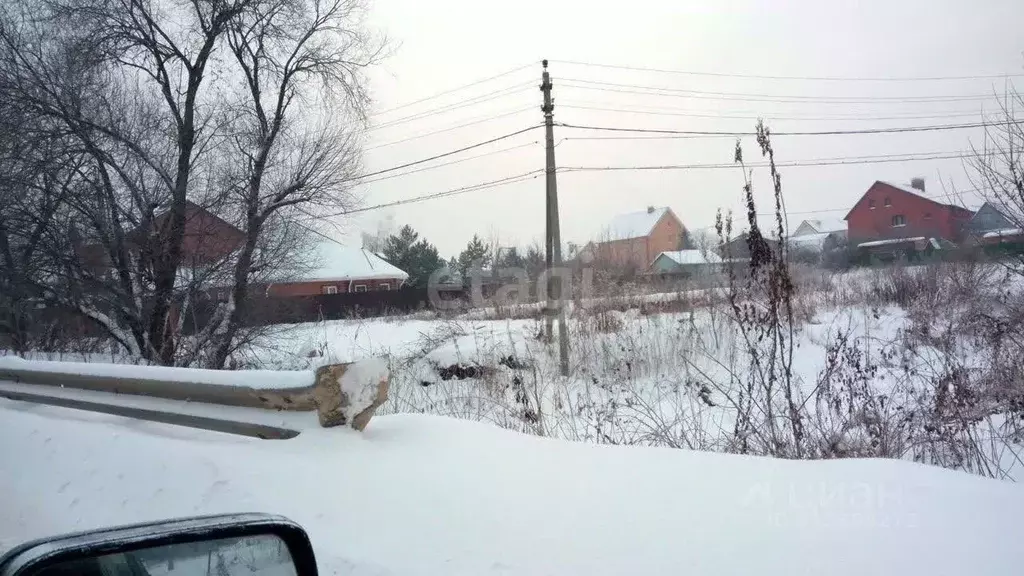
(866, 381)
(425, 495)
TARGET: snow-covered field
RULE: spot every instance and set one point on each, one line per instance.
(425, 495)
(485, 459)
(869, 377)
(655, 379)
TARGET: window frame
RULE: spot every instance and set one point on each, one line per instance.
(329, 290)
(385, 286)
(359, 288)
(902, 218)
(887, 202)
(871, 204)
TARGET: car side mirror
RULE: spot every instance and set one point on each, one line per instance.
(225, 545)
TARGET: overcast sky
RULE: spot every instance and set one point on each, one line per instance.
(444, 44)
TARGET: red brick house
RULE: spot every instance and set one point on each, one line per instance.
(207, 239)
(890, 211)
(336, 268)
(332, 267)
(637, 238)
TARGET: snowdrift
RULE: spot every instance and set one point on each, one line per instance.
(421, 495)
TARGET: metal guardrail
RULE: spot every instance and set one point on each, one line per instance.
(300, 399)
(200, 422)
(323, 395)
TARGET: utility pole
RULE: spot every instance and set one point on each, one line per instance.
(553, 236)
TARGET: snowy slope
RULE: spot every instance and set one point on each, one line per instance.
(419, 495)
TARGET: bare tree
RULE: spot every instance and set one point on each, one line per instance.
(36, 179)
(137, 103)
(121, 80)
(302, 62)
(140, 36)
(997, 169)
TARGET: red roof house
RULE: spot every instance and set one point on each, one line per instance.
(890, 211)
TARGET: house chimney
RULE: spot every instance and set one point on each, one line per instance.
(650, 209)
(917, 183)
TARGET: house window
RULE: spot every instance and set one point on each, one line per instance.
(927, 215)
(359, 288)
(385, 286)
(899, 220)
(871, 204)
(330, 289)
(888, 202)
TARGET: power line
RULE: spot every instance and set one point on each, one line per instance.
(455, 106)
(445, 154)
(491, 153)
(760, 112)
(479, 120)
(534, 173)
(815, 78)
(317, 232)
(754, 98)
(656, 112)
(444, 194)
(847, 208)
(788, 96)
(713, 133)
(463, 87)
(793, 164)
(666, 137)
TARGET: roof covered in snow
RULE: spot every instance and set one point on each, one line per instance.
(1003, 232)
(890, 241)
(905, 187)
(687, 257)
(822, 225)
(631, 225)
(911, 190)
(811, 241)
(336, 261)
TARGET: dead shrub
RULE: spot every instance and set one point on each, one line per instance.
(903, 286)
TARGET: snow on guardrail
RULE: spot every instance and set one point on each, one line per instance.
(341, 394)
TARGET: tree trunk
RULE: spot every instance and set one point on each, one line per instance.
(239, 296)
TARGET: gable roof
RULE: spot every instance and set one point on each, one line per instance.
(822, 226)
(192, 211)
(905, 189)
(990, 206)
(685, 257)
(633, 225)
(811, 241)
(336, 261)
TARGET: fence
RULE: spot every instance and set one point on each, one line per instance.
(267, 310)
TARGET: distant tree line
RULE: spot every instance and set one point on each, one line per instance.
(407, 250)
